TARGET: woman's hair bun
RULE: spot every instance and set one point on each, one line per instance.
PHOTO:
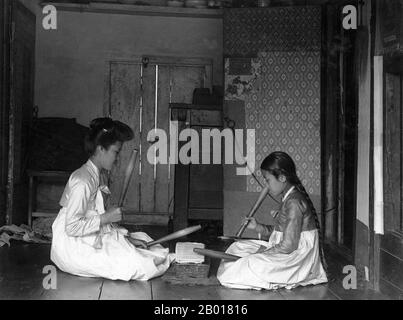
(101, 123)
(124, 132)
(105, 132)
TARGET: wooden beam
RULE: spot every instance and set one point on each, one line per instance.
(127, 9)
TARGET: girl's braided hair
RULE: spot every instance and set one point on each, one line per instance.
(105, 132)
(280, 163)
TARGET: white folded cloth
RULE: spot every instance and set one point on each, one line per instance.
(184, 252)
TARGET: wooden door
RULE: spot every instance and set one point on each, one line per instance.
(140, 96)
(21, 109)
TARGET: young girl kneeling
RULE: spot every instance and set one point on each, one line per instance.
(85, 243)
(293, 255)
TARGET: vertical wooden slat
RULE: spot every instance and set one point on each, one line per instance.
(173, 129)
(162, 182)
(147, 202)
(125, 107)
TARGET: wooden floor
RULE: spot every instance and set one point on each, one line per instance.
(21, 277)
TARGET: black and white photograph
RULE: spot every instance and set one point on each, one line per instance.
(217, 152)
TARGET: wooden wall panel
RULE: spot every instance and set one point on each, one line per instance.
(125, 107)
(162, 175)
(147, 202)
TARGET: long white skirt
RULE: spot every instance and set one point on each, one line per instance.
(117, 259)
(273, 270)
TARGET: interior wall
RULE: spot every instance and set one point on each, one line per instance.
(71, 63)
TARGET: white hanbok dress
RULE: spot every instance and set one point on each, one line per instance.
(81, 247)
(292, 258)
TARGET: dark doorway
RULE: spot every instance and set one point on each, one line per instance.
(339, 131)
(347, 129)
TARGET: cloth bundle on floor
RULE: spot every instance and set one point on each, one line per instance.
(21, 233)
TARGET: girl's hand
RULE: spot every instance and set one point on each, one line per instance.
(137, 242)
(252, 223)
(111, 216)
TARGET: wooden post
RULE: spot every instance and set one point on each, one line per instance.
(329, 125)
(4, 102)
(374, 251)
(181, 197)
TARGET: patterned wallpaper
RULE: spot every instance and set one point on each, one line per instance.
(282, 100)
(248, 31)
(273, 65)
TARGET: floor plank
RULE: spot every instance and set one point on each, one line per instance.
(132, 290)
(162, 290)
(237, 294)
(21, 268)
(363, 291)
(20, 288)
(70, 287)
(318, 292)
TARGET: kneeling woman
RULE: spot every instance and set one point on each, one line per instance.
(292, 256)
(84, 241)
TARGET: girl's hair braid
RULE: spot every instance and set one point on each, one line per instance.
(298, 184)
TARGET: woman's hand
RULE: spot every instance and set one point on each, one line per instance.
(111, 216)
(137, 242)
